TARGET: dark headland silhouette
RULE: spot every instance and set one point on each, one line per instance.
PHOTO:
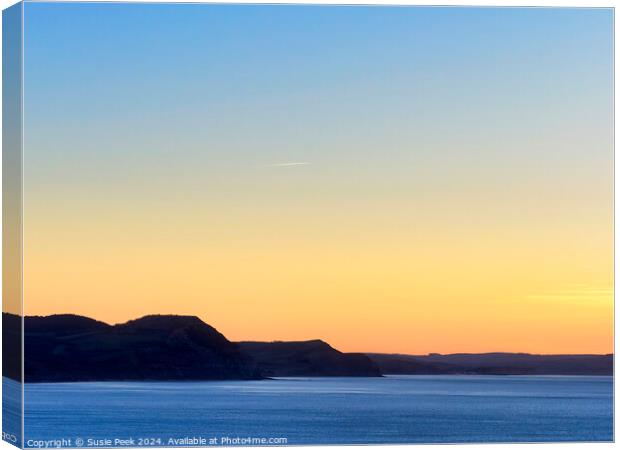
(68, 347)
(496, 363)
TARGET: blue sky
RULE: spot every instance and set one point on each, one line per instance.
(162, 154)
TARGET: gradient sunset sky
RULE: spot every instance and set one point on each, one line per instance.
(392, 179)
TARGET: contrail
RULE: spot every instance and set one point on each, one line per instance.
(288, 164)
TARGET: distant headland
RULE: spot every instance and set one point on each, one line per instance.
(68, 347)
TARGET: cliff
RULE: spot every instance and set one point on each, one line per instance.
(74, 348)
(308, 358)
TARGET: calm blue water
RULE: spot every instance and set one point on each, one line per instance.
(394, 409)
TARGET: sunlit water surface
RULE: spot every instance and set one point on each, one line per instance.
(393, 409)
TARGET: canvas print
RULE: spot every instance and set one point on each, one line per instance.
(270, 225)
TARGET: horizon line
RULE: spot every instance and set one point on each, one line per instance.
(314, 339)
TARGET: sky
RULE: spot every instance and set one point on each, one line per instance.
(389, 179)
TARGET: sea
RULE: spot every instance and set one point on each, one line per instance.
(302, 411)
